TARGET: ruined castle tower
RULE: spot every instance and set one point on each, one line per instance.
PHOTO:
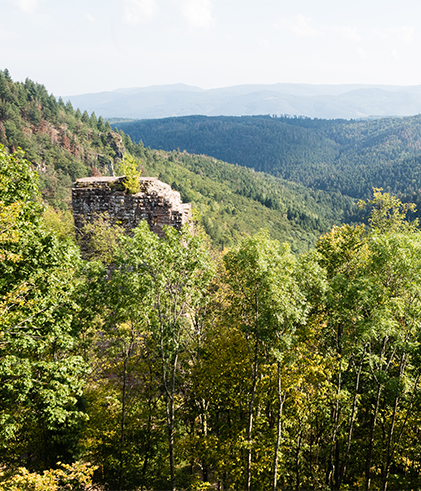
(105, 196)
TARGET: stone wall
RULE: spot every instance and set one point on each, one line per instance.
(105, 196)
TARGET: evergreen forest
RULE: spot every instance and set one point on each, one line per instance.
(346, 156)
(276, 347)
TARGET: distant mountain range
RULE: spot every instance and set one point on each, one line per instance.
(314, 101)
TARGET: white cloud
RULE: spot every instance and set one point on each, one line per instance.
(264, 43)
(198, 13)
(90, 17)
(139, 11)
(362, 53)
(345, 32)
(302, 26)
(27, 6)
(299, 25)
(401, 34)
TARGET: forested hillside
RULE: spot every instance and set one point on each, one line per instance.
(62, 143)
(334, 155)
(232, 200)
(229, 201)
(154, 364)
(163, 365)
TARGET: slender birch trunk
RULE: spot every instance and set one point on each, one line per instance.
(332, 474)
(352, 421)
(250, 415)
(279, 429)
(123, 421)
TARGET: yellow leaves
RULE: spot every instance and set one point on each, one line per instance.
(12, 301)
(225, 373)
(9, 229)
(388, 213)
(59, 222)
(198, 485)
(74, 476)
(344, 249)
(410, 465)
(103, 239)
(27, 481)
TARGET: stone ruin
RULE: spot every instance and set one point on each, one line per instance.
(94, 197)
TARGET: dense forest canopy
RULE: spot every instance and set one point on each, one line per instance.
(163, 364)
(351, 157)
(251, 369)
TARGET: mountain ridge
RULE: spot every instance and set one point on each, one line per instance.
(347, 101)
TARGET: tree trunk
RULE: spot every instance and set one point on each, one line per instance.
(279, 429)
(250, 422)
(390, 447)
(205, 434)
(351, 423)
(169, 388)
(332, 472)
(371, 442)
(374, 418)
(123, 420)
(170, 414)
(148, 446)
(297, 457)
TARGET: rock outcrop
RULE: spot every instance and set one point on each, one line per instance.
(115, 141)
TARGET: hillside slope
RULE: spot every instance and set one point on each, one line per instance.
(64, 144)
(333, 155)
(232, 200)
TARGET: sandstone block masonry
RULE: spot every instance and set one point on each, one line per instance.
(105, 196)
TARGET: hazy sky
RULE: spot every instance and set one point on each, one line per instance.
(79, 46)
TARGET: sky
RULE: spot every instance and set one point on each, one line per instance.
(81, 46)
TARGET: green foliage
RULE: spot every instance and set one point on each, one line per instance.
(266, 302)
(388, 213)
(372, 313)
(18, 182)
(174, 274)
(271, 370)
(59, 222)
(147, 326)
(101, 239)
(261, 279)
(19, 212)
(40, 372)
(129, 167)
